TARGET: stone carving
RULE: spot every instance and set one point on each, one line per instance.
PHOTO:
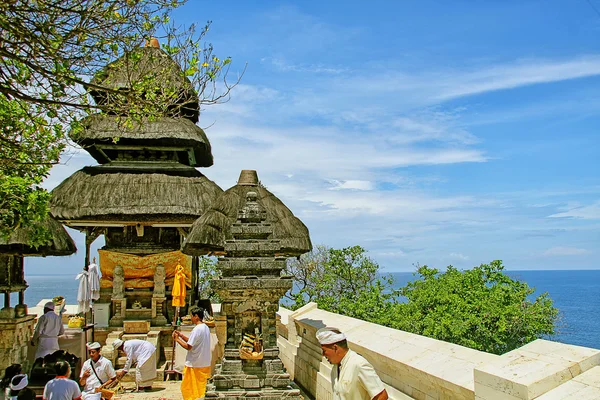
(252, 211)
(118, 283)
(159, 281)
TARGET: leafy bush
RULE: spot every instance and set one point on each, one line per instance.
(482, 308)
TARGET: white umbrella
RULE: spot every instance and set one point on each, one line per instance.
(94, 281)
(83, 293)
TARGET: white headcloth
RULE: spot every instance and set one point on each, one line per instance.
(22, 382)
(93, 346)
(330, 335)
(117, 343)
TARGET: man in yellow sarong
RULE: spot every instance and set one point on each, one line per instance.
(197, 361)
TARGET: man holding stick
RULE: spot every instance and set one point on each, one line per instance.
(197, 361)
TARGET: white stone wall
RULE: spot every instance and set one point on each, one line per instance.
(422, 368)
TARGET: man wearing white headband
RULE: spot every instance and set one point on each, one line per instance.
(96, 373)
(49, 327)
(144, 354)
(354, 378)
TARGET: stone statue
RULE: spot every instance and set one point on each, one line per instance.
(252, 210)
(159, 281)
(118, 283)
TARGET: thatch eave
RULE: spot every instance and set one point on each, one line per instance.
(19, 243)
(209, 233)
(105, 131)
(139, 64)
(93, 194)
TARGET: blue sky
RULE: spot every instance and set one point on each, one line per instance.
(437, 133)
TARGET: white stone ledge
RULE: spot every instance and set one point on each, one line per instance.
(418, 367)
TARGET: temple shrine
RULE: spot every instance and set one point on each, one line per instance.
(16, 326)
(142, 197)
(254, 233)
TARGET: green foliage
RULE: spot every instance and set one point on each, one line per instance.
(482, 308)
(342, 281)
(30, 145)
(50, 51)
(207, 271)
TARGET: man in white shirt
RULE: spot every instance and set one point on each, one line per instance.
(96, 373)
(144, 354)
(352, 377)
(197, 361)
(61, 387)
(49, 327)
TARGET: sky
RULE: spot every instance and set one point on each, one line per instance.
(430, 132)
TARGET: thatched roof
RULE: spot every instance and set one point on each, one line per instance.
(61, 243)
(139, 65)
(213, 228)
(162, 132)
(100, 193)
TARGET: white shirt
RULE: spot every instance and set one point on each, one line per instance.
(49, 325)
(61, 389)
(199, 355)
(357, 380)
(137, 351)
(47, 331)
(103, 368)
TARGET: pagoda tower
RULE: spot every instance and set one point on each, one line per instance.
(146, 191)
(253, 233)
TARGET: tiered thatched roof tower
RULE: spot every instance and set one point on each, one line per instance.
(146, 188)
(146, 192)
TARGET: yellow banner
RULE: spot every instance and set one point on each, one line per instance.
(139, 271)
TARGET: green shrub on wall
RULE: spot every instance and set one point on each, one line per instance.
(482, 308)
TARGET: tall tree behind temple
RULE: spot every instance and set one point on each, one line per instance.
(51, 50)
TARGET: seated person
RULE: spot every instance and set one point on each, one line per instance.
(61, 387)
(96, 373)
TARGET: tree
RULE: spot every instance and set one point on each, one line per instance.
(207, 271)
(50, 52)
(343, 281)
(482, 308)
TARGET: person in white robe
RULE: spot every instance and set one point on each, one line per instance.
(143, 354)
(49, 327)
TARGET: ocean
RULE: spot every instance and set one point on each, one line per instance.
(575, 293)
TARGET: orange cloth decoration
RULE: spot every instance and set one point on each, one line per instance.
(178, 291)
(139, 270)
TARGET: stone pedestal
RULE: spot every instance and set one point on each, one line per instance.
(119, 306)
(15, 334)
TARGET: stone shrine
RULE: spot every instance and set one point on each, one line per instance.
(259, 236)
(16, 327)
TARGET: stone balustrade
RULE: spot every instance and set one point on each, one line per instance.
(414, 366)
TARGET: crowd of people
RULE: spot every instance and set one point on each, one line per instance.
(98, 373)
(353, 377)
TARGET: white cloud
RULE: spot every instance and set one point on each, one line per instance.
(458, 256)
(521, 73)
(282, 65)
(352, 185)
(564, 251)
(591, 211)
